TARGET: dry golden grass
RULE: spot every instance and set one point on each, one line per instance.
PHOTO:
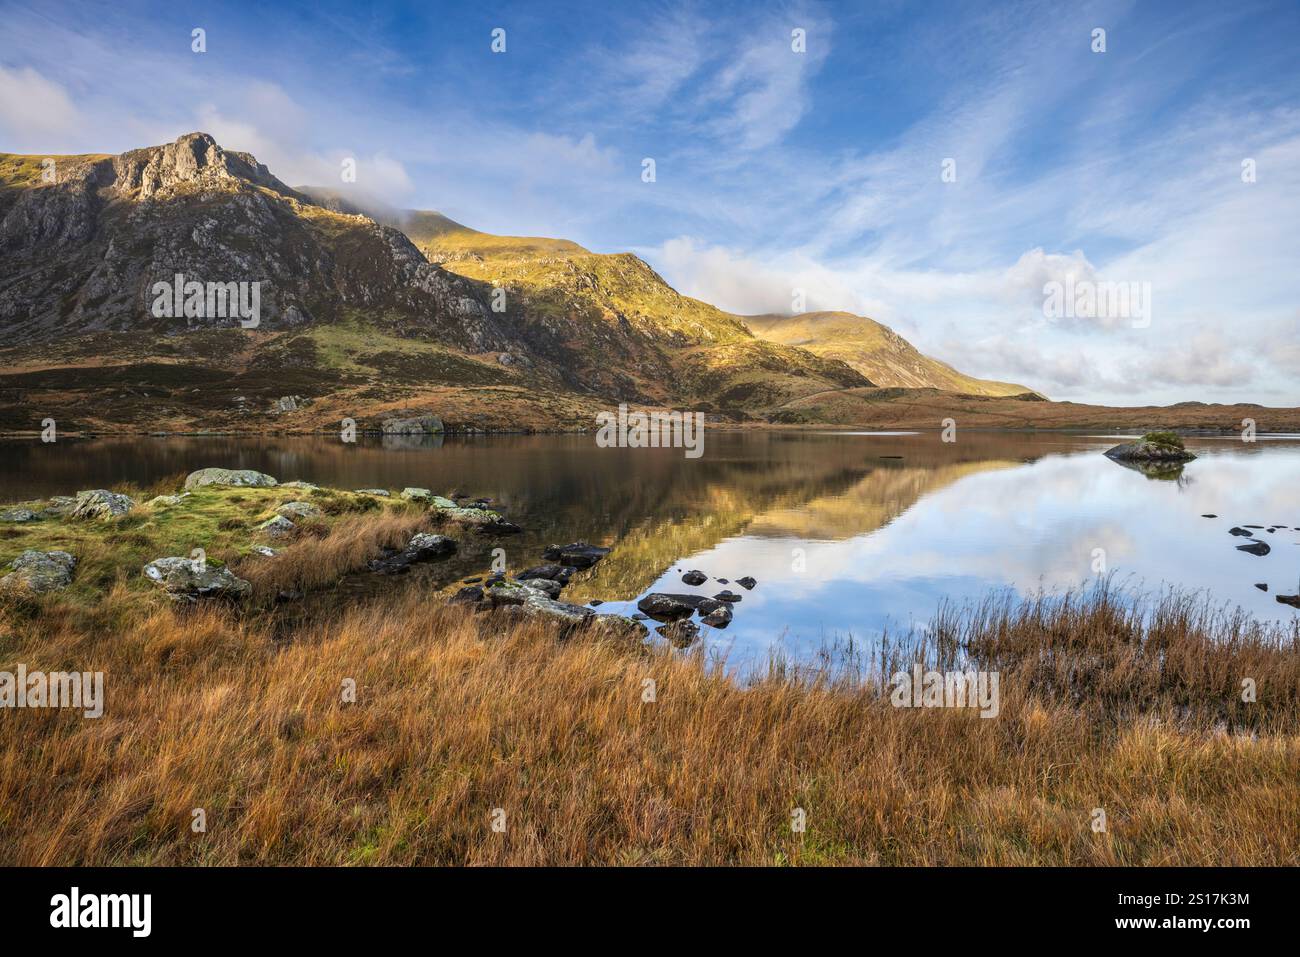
(456, 716)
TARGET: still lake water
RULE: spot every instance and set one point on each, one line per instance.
(849, 534)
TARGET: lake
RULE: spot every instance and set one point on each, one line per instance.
(849, 534)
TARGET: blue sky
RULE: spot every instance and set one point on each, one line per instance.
(777, 171)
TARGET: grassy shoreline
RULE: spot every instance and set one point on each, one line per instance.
(1132, 709)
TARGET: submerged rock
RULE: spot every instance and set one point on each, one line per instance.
(243, 478)
(101, 503)
(35, 571)
(576, 554)
(187, 580)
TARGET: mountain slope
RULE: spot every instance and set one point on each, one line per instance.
(875, 350)
(504, 331)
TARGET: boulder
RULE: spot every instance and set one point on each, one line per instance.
(694, 577)
(187, 580)
(18, 515)
(681, 633)
(471, 594)
(244, 478)
(276, 526)
(1262, 586)
(299, 510)
(1255, 548)
(746, 583)
(34, 571)
(266, 551)
(1238, 531)
(617, 628)
(373, 491)
(299, 484)
(412, 425)
(576, 554)
(101, 503)
(719, 617)
(416, 494)
(165, 501)
(558, 612)
(59, 505)
(728, 596)
(667, 607)
(550, 588)
(424, 546)
(511, 593)
(556, 573)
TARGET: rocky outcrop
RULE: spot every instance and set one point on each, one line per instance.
(101, 503)
(188, 580)
(34, 572)
(419, 424)
(237, 477)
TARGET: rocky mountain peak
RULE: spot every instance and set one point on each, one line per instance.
(195, 159)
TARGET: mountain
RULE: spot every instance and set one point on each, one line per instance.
(875, 350)
(361, 309)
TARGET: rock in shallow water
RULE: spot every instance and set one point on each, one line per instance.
(695, 577)
(576, 554)
(1255, 548)
(746, 583)
(663, 606)
(680, 633)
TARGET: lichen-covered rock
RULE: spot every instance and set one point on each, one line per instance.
(58, 506)
(719, 617)
(545, 585)
(299, 484)
(276, 526)
(238, 477)
(416, 494)
(424, 546)
(166, 501)
(18, 515)
(266, 551)
(373, 491)
(185, 579)
(35, 571)
(292, 510)
(101, 503)
(617, 627)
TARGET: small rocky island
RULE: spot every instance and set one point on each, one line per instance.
(1159, 455)
(1154, 448)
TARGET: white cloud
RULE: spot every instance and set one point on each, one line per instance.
(35, 112)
